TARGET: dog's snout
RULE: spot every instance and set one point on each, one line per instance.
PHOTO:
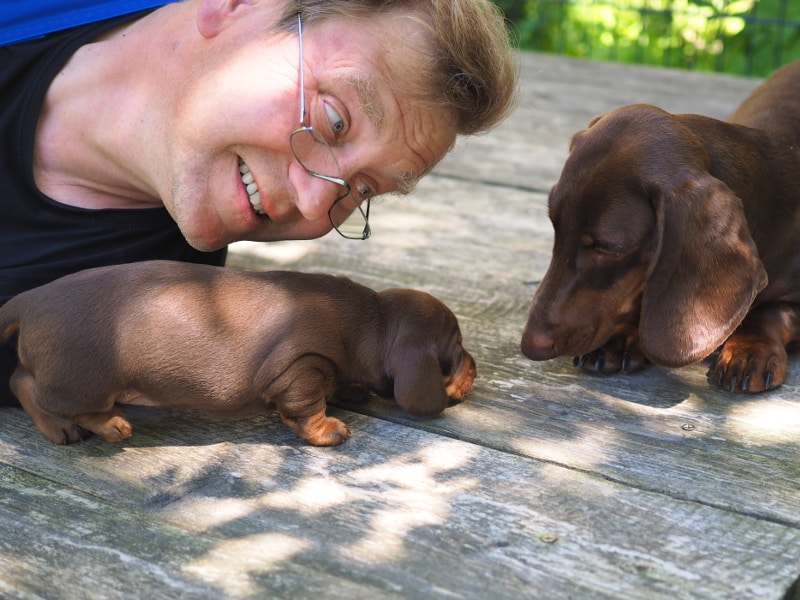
(538, 344)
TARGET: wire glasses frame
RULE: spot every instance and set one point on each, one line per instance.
(346, 214)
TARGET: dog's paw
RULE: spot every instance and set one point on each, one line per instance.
(457, 385)
(747, 364)
(66, 433)
(112, 425)
(319, 429)
(609, 360)
(331, 432)
(59, 430)
(116, 429)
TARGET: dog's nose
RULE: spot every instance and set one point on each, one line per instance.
(538, 345)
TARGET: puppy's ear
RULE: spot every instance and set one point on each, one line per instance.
(704, 275)
(418, 381)
(578, 137)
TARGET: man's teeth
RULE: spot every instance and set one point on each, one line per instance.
(252, 189)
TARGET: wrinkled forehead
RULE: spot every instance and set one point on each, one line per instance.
(396, 92)
(385, 63)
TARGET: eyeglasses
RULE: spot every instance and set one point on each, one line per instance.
(348, 215)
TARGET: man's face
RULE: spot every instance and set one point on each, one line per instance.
(243, 106)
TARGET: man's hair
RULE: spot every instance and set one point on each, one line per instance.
(467, 68)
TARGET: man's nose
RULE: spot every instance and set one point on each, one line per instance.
(315, 195)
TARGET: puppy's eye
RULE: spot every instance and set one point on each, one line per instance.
(600, 248)
(607, 251)
(604, 252)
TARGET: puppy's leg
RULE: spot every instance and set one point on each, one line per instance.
(112, 424)
(754, 358)
(56, 429)
(299, 394)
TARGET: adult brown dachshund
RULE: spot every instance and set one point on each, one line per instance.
(675, 234)
(192, 336)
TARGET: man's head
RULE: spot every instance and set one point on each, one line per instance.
(387, 84)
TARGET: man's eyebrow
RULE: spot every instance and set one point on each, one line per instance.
(406, 183)
(369, 101)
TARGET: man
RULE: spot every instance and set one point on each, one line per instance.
(172, 132)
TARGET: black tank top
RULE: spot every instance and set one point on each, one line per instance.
(41, 239)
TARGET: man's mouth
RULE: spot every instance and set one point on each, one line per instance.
(251, 188)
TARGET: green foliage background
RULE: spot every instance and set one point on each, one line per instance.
(747, 37)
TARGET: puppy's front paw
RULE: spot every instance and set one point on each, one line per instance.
(115, 429)
(461, 382)
(747, 364)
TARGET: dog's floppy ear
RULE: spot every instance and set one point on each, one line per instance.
(418, 381)
(704, 275)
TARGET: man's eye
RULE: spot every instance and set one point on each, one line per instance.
(364, 191)
(336, 122)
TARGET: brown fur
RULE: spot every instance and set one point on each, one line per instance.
(675, 234)
(191, 336)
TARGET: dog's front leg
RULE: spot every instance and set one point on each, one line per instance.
(754, 358)
(620, 354)
(299, 394)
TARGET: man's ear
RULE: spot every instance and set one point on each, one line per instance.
(214, 15)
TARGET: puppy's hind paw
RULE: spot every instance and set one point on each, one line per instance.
(69, 434)
(112, 426)
(60, 431)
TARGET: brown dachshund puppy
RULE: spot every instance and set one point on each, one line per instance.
(191, 336)
(675, 234)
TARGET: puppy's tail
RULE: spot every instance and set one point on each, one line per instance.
(9, 319)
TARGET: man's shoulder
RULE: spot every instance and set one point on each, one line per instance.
(30, 20)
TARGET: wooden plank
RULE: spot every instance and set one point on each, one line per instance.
(394, 512)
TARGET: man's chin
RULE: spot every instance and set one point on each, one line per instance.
(205, 242)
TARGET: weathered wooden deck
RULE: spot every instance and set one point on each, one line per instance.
(546, 483)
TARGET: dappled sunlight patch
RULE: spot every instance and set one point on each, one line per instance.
(283, 253)
(588, 446)
(415, 492)
(765, 421)
(205, 513)
(311, 496)
(233, 564)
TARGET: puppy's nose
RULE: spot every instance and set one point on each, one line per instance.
(537, 344)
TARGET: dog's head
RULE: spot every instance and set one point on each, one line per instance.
(424, 355)
(644, 234)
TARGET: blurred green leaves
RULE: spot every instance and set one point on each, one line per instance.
(748, 37)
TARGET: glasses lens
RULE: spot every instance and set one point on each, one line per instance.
(350, 218)
(313, 152)
(348, 215)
